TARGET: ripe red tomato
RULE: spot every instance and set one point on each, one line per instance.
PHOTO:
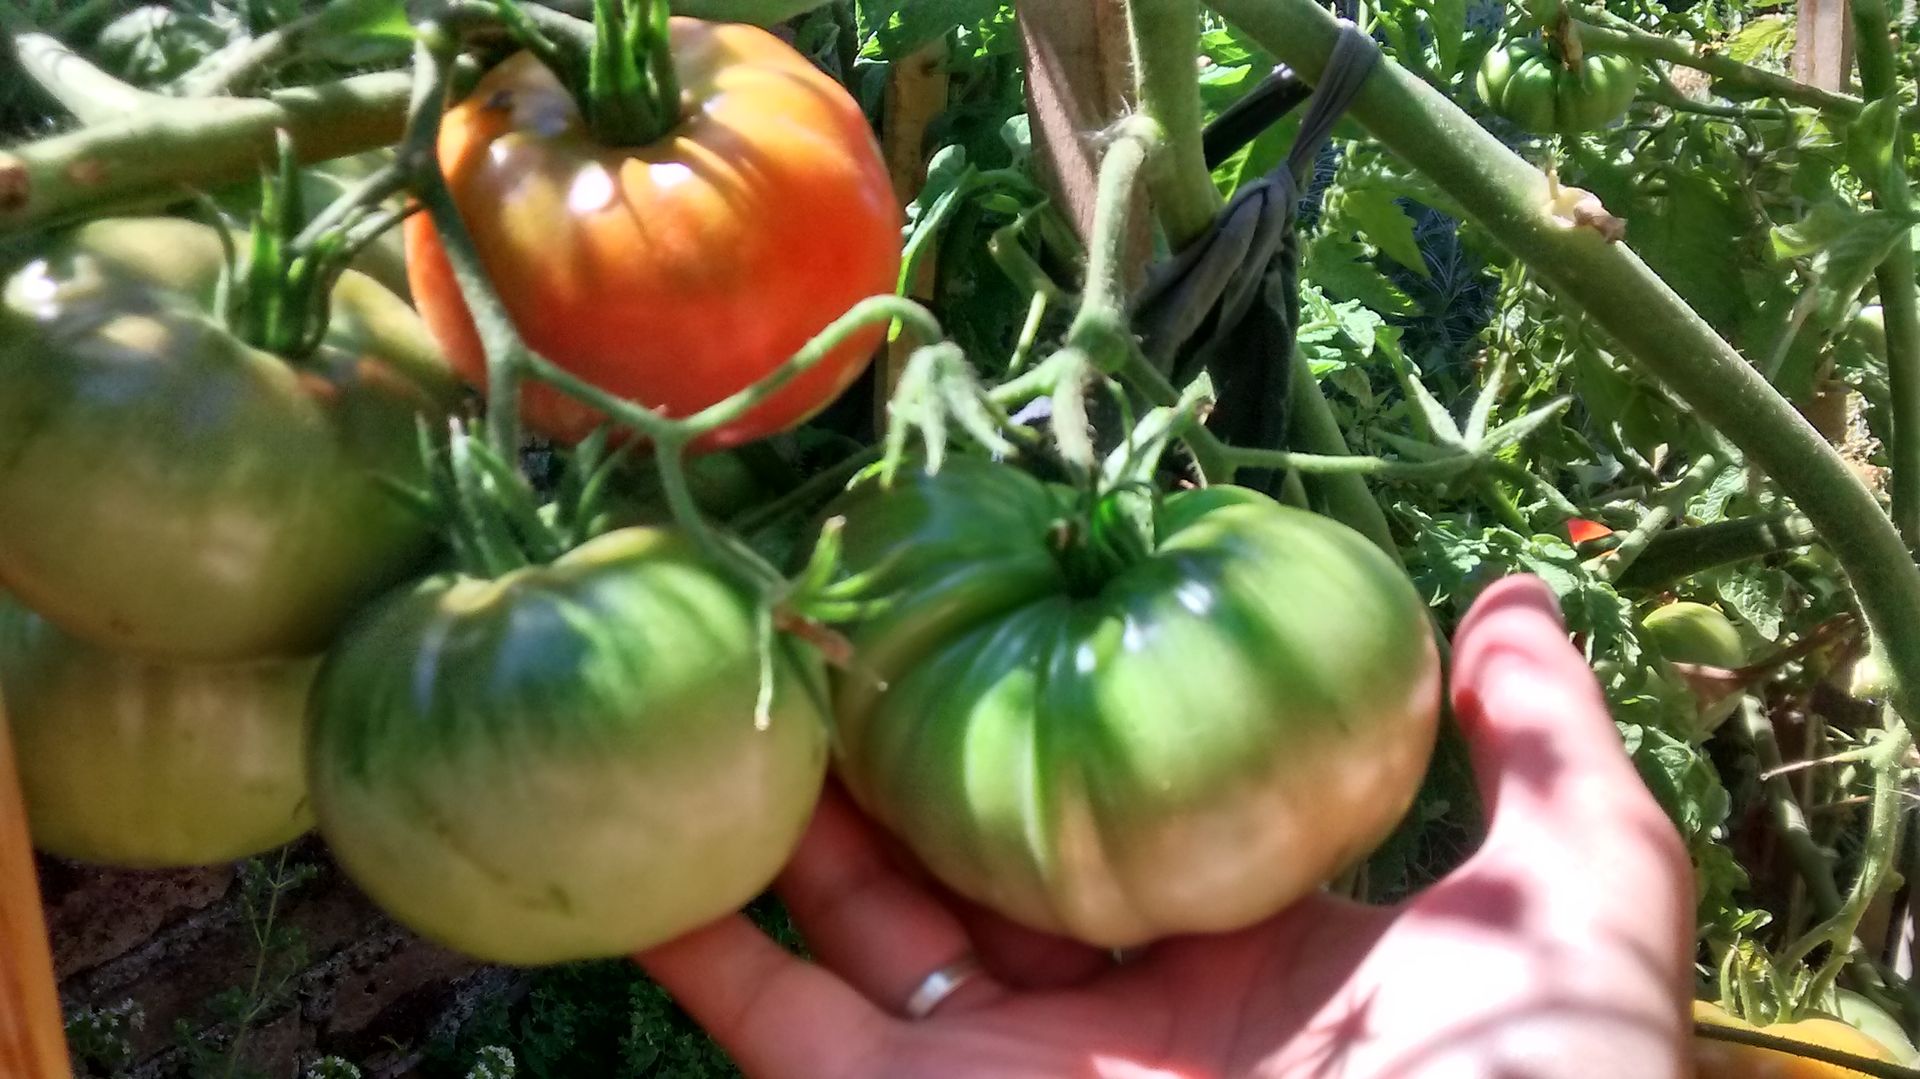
(676, 273)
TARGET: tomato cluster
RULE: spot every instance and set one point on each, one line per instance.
(1530, 84)
(290, 598)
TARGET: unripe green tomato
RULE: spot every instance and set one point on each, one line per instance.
(1124, 737)
(1524, 82)
(1517, 80)
(1697, 634)
(140, 764)
(564, 762)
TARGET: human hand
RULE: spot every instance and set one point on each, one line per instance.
(1561, 948)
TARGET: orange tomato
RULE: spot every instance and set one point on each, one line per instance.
(1730, 1060)
(677, 273)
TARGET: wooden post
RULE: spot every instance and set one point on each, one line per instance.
(1079, 81)
(1823, 44)
(31, 1043)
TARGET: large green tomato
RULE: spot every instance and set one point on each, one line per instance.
(134, 763)
(1122, 746)
(166, 489)
(1527, 84)
(564, 763)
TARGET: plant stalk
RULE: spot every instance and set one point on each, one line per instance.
(1166, 38)
(1880, 83)
(1652, 324)
(1632, 42)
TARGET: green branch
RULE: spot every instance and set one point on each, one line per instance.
(1682, 552)
(84, 90)
(166, 151)
(1166, 38)
(1880, 82)
(1631, 42)
(1511, 200)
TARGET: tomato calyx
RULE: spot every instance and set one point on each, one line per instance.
(620, 69)
(277, 295)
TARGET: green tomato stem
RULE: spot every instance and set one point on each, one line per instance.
(1166, 38)
(90, 94)
(1611, 566)
(1880, 83)
(1100, 324)
(1679, 553)
(1814, 863)
(1876, 861)
(1650, 322)
(506, 353)
(1317, 430)
(172, 146)
(1314, 464)
(1626, 40)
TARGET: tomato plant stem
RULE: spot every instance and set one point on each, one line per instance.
(153, 155)
(507, 355)
(1166, 38)
(1627, 40)
(1888, 184)
(90, 94)
(1315, 428)
(1682, 552)
(1651, 323)
(1619, 560)
(1837, 932)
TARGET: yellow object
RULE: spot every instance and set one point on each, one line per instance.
(1713, 1059)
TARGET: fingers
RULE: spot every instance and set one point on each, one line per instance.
(1559, 789)
(776, 1015)
(866, 920)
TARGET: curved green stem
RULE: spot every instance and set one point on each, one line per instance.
(1895, 276)
(90, 94)
(507, 355)
(1317, 429)
(1314, 464)
(1613, 564)
(1100, 324)
(173, 147)
(1650, 322)
(1166, 38)
(1876, 860)
(1682, 552)
(1633, 42)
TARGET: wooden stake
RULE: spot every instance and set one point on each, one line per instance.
(31, 1043)
(1823, 44)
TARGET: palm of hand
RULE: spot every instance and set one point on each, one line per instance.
(1562, 947)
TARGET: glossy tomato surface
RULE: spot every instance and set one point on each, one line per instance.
(676, 273)
(168, 490)
(564, 763)
(134, 763)
(1182, 742)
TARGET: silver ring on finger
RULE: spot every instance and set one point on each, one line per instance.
(943, 982)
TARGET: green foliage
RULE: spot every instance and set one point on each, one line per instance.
(603, 1019)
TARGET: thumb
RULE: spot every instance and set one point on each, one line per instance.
(1562, 798)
